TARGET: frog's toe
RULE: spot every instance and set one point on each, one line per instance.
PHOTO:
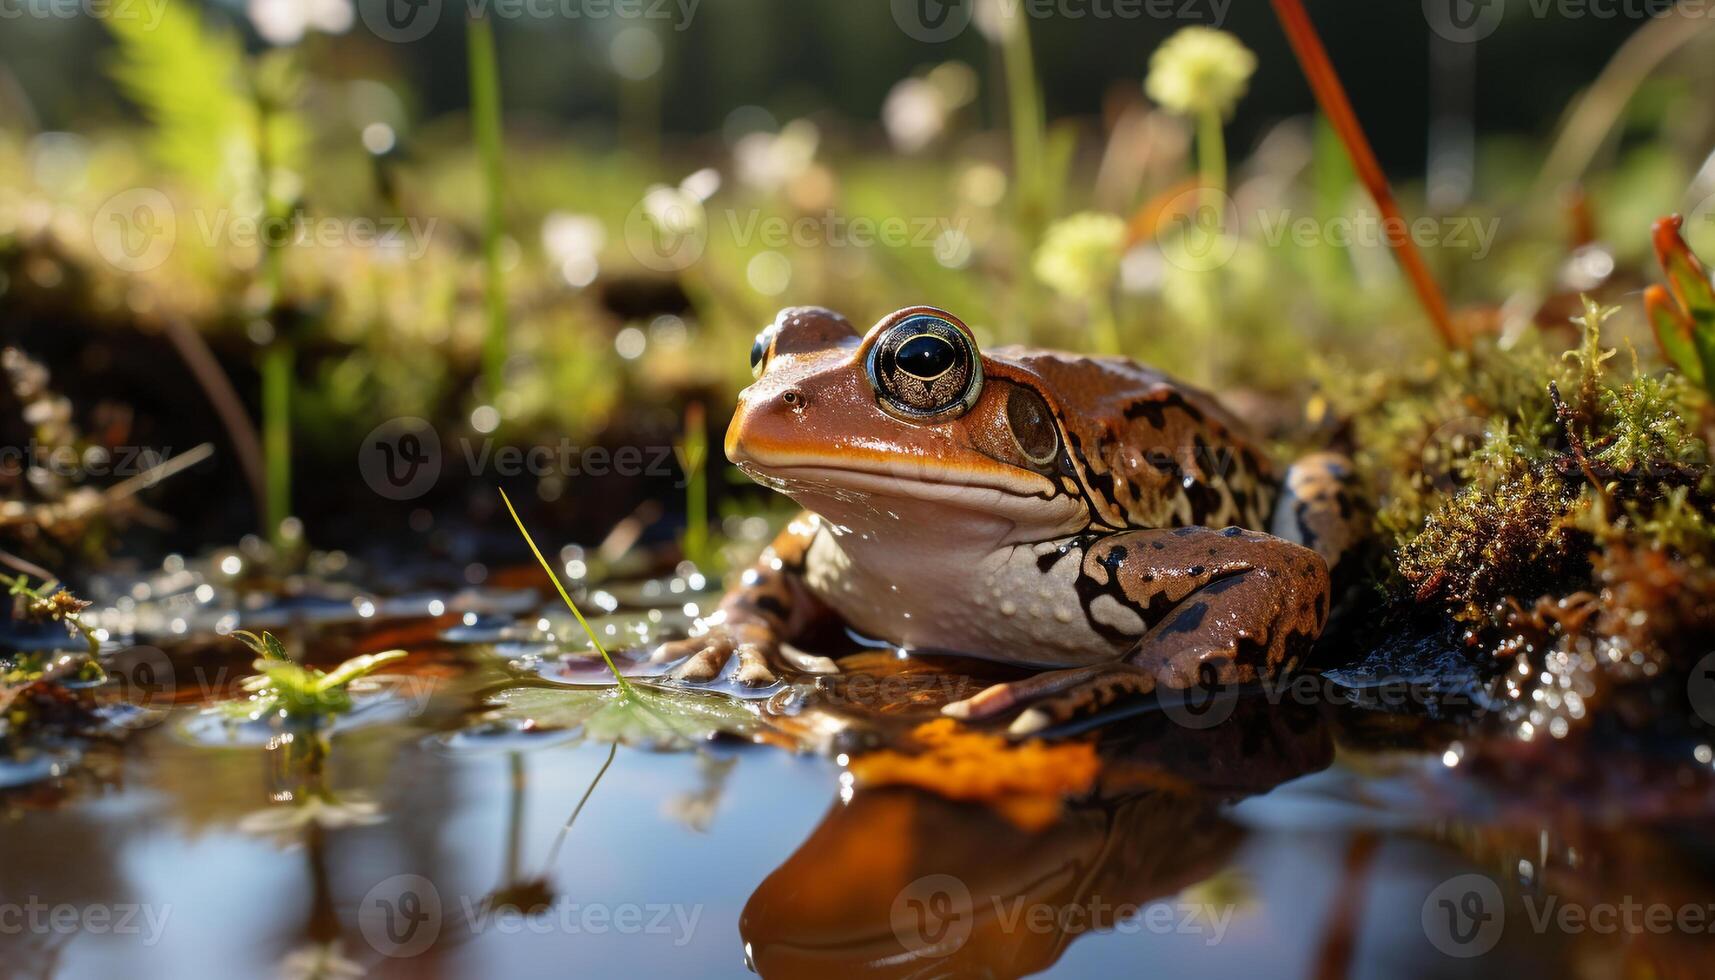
(1029, 722)
(707, 658)
(753, 666)
(1054, 697)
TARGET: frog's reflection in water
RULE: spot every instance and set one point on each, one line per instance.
(901, 882)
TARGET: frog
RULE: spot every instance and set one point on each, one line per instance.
(1110, 530)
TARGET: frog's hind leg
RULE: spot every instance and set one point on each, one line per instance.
(1208, 607)
(1321, 507)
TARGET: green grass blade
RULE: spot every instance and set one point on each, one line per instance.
(485, 120)
(565, 596)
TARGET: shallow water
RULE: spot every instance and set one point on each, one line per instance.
(1288, 840)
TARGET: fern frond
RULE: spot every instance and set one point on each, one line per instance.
(192, 83)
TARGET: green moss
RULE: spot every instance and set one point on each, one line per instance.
(1486, 543)
(1497, 470)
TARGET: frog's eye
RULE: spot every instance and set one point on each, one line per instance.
(758, 354)
(925, 367)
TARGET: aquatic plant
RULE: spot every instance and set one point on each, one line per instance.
(50, 603)
(285, 687)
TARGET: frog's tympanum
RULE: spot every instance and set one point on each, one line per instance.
(1083, 515)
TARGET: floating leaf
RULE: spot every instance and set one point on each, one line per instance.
(643, 716)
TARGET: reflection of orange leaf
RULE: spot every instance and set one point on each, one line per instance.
(1025, 783)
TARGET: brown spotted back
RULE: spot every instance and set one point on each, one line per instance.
(1147, 451)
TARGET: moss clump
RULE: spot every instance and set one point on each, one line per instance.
(1561, 507)
(1485, 543)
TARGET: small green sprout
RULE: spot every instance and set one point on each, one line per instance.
(284, 686)
(49, 602)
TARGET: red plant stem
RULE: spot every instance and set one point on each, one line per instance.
(1331, 96)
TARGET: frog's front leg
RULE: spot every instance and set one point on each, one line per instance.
(769, 606)
(1228, 607)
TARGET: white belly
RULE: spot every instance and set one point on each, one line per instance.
(997, 605)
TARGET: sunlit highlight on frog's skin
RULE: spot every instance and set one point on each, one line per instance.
(1040, 508)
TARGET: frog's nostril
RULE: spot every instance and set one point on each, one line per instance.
(794, 398)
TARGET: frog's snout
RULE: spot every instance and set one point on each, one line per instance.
(767, 415)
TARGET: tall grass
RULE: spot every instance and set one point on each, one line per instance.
(485, 121)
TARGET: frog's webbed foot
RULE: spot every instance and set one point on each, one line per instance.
(705, 656)
(1222, 607)
(769, 606)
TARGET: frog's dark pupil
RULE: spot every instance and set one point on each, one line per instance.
(756, 352)
(925, 356)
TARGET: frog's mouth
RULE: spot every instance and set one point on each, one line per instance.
(893, 476)
(847, 487)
